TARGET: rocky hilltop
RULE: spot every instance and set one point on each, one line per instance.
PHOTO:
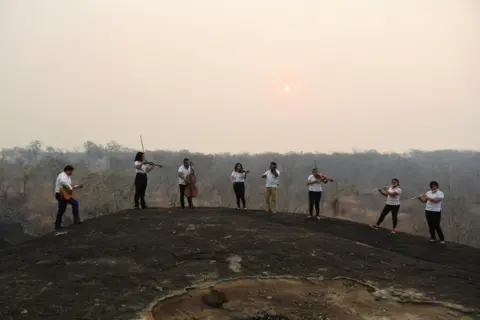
(214, 263)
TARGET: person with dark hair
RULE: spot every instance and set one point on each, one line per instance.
(141, 180)
(183, 171)
(271, 176)
(64, 181)
(238, 177)
(433, 211)
(314, 183)
(392, 204)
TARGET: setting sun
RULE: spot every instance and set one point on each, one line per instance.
(286, 89)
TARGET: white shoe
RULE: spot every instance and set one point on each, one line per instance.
(318, 218)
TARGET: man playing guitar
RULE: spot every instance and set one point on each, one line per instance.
(63, 193)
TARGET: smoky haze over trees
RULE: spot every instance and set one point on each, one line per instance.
(27, 177)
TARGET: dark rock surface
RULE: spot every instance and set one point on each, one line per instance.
(118, 265)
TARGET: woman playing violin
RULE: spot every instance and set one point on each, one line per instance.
(238, 177)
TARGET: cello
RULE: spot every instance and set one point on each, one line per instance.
(191, 190)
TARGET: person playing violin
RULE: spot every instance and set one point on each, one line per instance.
(238, 177)
(141, 170)
(314, 183)
(183, 171)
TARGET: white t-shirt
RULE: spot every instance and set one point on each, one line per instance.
(316, 187)
(394, 201)
(272, 181)
(142, 169)
(238, 176)
(431, 206)
(63, 180)
(185, 172)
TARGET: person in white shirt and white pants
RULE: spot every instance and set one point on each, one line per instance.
(433, 211)
(271, 186)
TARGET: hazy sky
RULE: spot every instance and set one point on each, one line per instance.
(210, 75)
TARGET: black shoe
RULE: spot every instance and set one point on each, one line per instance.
(78, 222)
(59, 228)
(145, 207)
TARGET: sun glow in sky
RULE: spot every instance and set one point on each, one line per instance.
(287, 89)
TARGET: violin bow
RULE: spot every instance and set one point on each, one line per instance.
(149, 162)
(141, 141)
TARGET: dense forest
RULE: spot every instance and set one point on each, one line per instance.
(27, 177)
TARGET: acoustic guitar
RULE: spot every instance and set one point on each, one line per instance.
(67, 194)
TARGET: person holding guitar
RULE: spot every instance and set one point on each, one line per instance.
(64, 189)
(184, 171)
(142, 167)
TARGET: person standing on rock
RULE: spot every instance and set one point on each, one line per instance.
(141, 170)
(392, 204)
(433, 211)
(238, 177)
(63, 183)
(314, 183)
(183, 171)
(271, 186)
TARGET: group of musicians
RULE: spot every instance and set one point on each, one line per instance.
(433, 198)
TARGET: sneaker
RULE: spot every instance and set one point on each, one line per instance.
(432, 240)
(374, 226)
(238, 208)
(318, 217)
(245, 209)
(393, 231)
(310, 217)
(442, 242)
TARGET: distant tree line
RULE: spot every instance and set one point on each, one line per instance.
(27, 176)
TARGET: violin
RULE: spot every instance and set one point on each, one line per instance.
(322, 177)
(191, 190)
(153, 164)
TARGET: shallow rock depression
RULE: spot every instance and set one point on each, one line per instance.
(300, 299)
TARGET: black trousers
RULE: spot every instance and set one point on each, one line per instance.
(140, 189)
(239, 189)
(389, 208)
(182, 197)
(433, 220)
(314, 198)
(62, 207)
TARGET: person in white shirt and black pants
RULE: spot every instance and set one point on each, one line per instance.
(314, 193)
(183, 171)
(64, 181)
(433, 211)
(238, 177)
(271, 186)
(141, 180)
(392, 204)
